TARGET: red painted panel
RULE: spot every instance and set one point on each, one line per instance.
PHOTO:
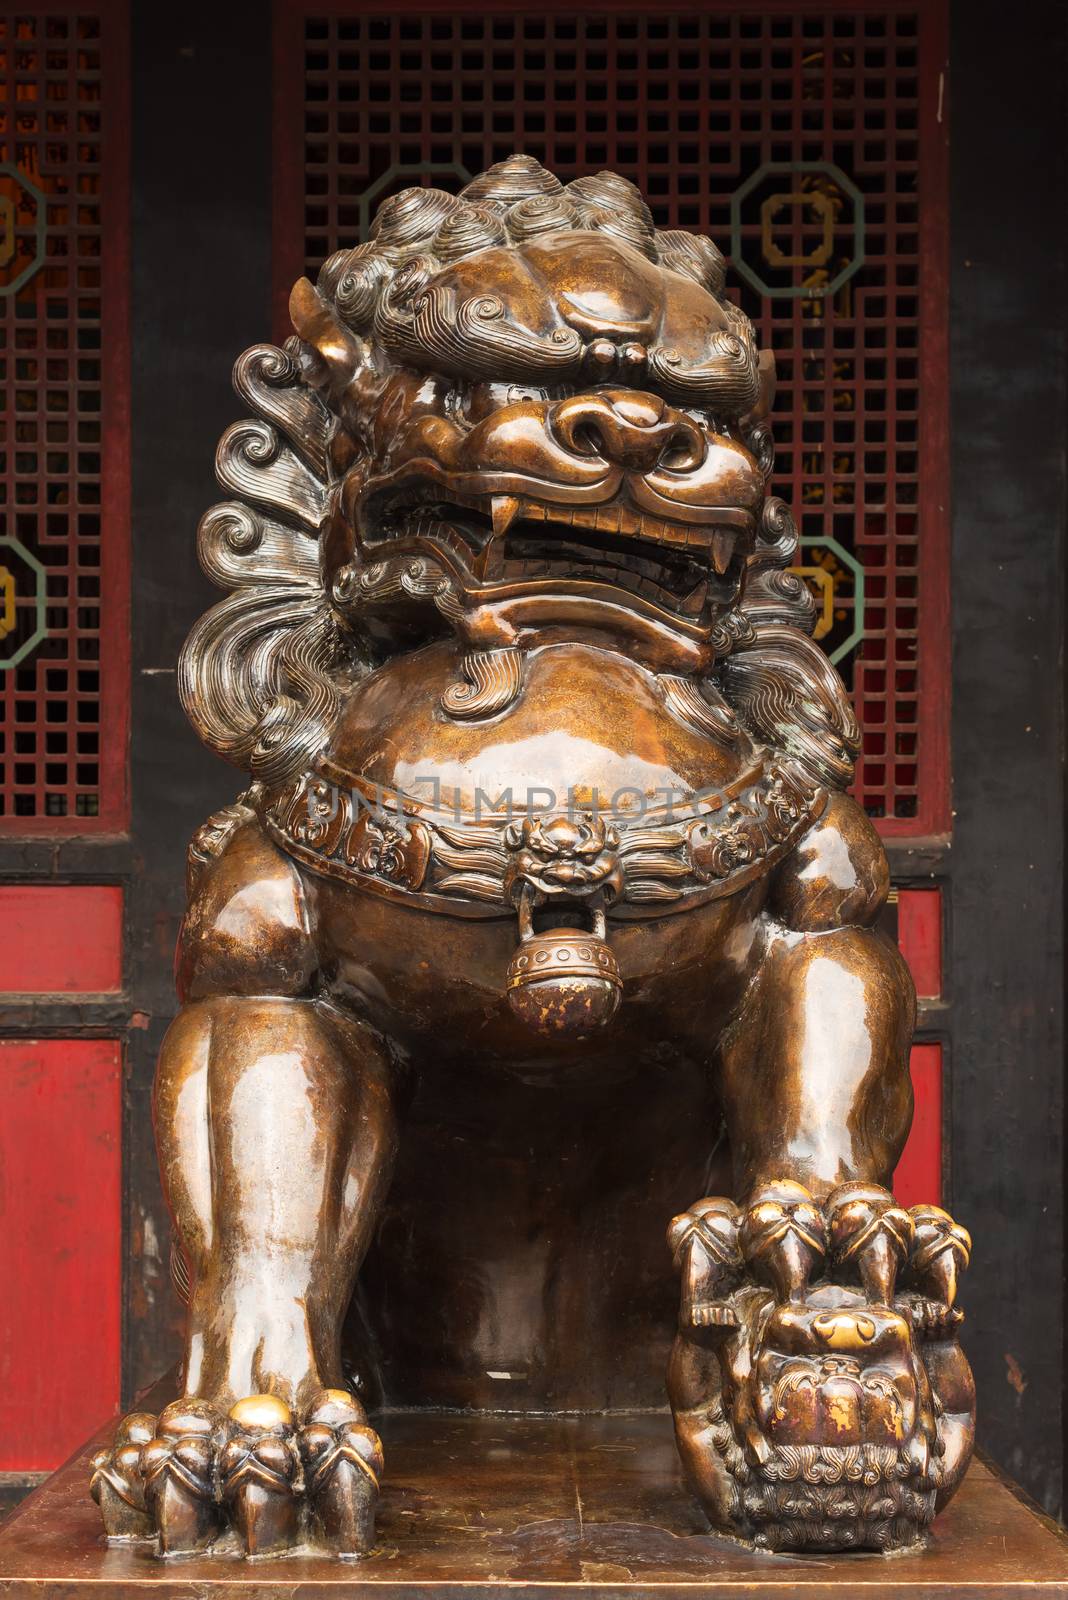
(919, 937)
(60, 1245)
(60, 939)
(918, 1180)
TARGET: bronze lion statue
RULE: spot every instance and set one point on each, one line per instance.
(544, 911)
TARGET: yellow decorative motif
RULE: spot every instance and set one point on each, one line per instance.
(822, 581)
(844, 1330)
(824, 208)
(7, 602)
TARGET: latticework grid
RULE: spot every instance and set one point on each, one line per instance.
(63, 633)
(797, 140)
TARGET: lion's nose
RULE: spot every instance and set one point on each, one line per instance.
(628, 428)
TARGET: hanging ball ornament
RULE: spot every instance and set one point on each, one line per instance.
(564, 981)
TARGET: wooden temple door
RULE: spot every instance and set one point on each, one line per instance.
(813, 144)
(64, 698)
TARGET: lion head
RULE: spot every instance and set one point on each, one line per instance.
(520, 413)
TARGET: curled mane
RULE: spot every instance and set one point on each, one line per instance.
(777, 679)
(259, 673)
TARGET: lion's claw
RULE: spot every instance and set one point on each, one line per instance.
(783, 1237)
(941, 1252)
(117, 1484)
(870, 1230)
(177, 1468)
(342, 1466)
(704, 1246)
(259, 1474)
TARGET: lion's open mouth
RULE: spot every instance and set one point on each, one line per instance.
(682, 567)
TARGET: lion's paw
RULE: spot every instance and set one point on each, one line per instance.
(820, 1397)
(255, 1478)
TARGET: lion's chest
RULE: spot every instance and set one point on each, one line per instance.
(587, 793)
(437, 844)
(437, 986)
(585, 728)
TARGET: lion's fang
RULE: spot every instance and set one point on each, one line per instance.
(505, 510)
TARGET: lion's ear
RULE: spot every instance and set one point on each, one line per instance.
(339, 350)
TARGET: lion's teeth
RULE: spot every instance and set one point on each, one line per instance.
(723, 542)
(505, 510)
(694, 602)
(608, 519)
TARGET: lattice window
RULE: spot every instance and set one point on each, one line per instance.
(63, 558)
(795, 141)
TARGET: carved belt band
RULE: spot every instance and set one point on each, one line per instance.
(665, 860)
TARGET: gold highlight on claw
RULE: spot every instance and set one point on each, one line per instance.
(337, 1397)
(261, 1411)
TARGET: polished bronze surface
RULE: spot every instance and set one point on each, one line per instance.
(492, 1505)
(544, 911)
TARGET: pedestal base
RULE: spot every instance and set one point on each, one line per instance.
(485, 1505)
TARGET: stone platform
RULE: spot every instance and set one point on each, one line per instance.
(535, 1508)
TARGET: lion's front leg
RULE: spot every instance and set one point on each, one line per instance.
(275, 1130)
(275, 1191)
(815, 1072)
(820, 1396)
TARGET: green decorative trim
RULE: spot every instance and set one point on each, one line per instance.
(813, 541)
(7, 542)
(401, 169)
(750, 274)
(40, 229)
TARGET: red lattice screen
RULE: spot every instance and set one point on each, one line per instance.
(64, 629)
(811, 146)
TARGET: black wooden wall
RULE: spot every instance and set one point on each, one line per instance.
(201, 272)
(1007, 414)
(201, 150)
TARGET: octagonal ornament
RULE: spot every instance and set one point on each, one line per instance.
(23, 228)
(22, 603)
(797, 229)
